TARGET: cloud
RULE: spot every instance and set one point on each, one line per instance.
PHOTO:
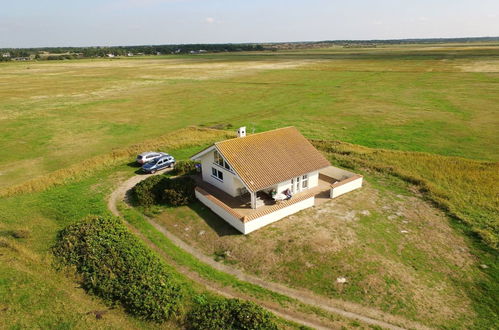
(209, 20)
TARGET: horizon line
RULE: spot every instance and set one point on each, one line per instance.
(265, 42)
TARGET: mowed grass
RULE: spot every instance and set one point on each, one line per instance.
(34, 295)
(397, 251)
(419, 98)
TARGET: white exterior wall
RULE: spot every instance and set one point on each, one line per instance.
(277, 215)
(313, 179)
(347, 187)
(283, 186)
(230, 183)
(258, 223)
(232, 220)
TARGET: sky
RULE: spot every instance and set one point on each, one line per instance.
(35, 23)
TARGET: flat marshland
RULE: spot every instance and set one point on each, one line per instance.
(436, 99)
(419, 240)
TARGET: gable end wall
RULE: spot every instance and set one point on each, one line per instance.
(230, 184)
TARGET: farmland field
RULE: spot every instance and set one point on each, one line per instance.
(419, 241)
(418, 98)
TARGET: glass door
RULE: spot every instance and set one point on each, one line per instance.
(298, 185)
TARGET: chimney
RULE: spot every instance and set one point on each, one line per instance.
(241, 132)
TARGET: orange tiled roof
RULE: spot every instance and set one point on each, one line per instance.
(264, 159)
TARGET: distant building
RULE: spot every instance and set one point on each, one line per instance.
(6, 55)
(129, 54)
(110, 55)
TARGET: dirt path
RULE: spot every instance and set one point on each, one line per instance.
(335, 306)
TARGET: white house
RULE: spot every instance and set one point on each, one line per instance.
(252, 181)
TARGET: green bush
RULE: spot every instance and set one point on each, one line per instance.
(185, 167)
(230, 314)
(179, 191)
(160, 189)
(117, 267)
(145, 193)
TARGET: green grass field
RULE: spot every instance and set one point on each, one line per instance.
(391, 239)
(436, 99)
(68, 129)
(34, 295)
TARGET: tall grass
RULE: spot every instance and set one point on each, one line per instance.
(466, 189)
(182, 138)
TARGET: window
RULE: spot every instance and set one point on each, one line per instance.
(304, 182)
(217, 174)
(218, 159)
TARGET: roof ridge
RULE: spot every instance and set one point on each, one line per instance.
(272, 130)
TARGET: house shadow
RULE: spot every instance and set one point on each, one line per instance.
(220, 226)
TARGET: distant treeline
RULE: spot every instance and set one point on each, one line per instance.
(411, 41)
(56, 53)
(79, 52)
(372, 43)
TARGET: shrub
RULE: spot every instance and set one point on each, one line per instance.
(179, 191)
(160, 189)
(117, 267)
(230, 314)
(144, 191)
(185, 167)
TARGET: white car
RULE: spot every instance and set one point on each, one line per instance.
(149, 156)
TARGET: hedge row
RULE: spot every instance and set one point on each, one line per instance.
(117, 267)
(230, 314)
(163, 190)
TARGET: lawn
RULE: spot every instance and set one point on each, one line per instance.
(426, 250)
(417, 98)
(34, 295)
(398, 252)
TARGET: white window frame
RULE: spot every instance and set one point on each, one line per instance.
(217, 174)
(220, 161)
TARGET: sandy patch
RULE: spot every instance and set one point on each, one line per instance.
(481, 66)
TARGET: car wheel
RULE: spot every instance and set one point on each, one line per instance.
(153, 171)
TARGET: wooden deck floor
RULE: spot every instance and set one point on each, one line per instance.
(242, 205)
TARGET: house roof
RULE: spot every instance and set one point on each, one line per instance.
(264, 159)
